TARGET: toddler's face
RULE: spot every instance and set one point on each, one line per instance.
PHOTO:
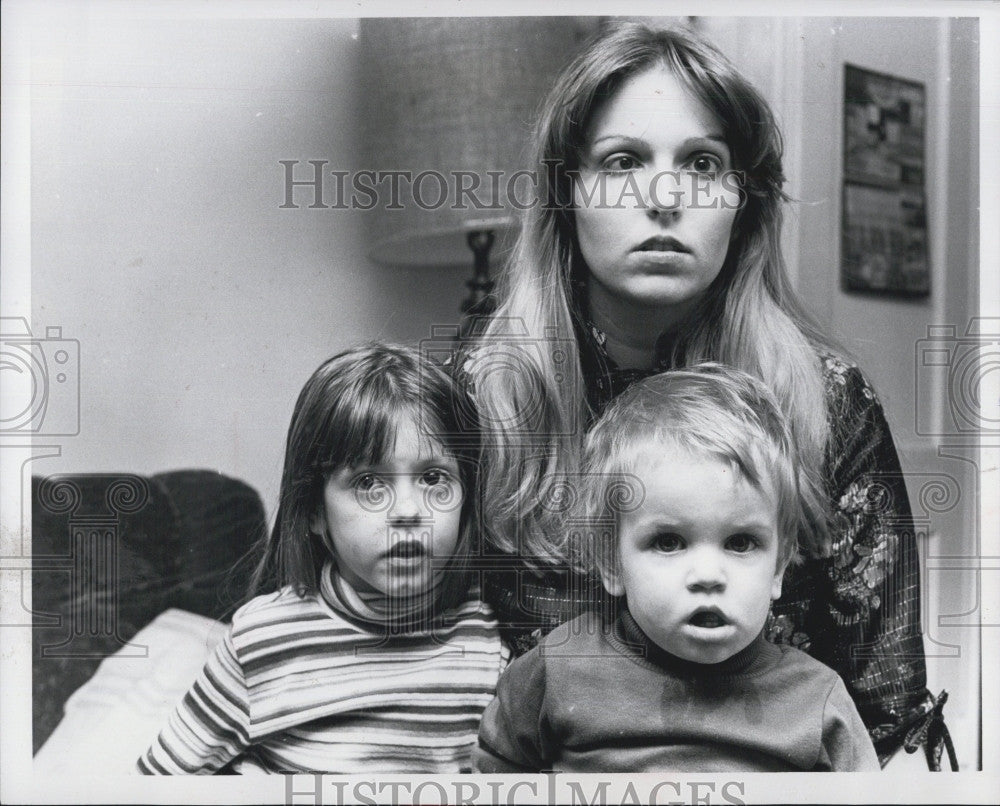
(392, 527)
(698, 558)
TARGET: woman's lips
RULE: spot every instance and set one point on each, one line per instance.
(661, 243)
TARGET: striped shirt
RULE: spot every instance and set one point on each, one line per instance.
(296, 686)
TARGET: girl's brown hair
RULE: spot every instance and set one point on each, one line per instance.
(346, 416)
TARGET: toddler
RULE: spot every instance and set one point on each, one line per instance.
(369, 653)
(680, 677)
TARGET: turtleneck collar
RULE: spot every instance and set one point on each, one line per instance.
(411, 613)
(756, 657)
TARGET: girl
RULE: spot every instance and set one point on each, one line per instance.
(655, 245)
(368, 653)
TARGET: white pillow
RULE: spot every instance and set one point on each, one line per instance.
(113, 717)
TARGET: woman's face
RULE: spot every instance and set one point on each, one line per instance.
(656, 197)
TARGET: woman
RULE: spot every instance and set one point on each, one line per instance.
(656, 245)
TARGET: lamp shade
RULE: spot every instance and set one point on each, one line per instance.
(449, 104)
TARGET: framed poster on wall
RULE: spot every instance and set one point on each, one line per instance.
(884, 246)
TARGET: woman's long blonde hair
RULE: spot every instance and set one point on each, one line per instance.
(749, 318)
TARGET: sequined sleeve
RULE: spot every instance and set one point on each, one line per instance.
(859, 609)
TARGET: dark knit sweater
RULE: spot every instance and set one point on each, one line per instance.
(594, 697)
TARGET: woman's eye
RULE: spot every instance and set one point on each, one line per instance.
(668, 543)
(705, 164)
(435, 476)
(618, 163)
(741, 544)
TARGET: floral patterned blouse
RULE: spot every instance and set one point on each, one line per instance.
(857, 610)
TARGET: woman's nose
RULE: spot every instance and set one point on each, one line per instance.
(664, 196)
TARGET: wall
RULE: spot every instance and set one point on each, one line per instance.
(800, 69)
(888, 336)
(158, 242)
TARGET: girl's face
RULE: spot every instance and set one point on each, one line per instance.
(655, 199)
(393, 527)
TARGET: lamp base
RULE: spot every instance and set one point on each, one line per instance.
(480, 285)
(480, 303)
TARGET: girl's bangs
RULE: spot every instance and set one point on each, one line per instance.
(366, 435)
(361, 430)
